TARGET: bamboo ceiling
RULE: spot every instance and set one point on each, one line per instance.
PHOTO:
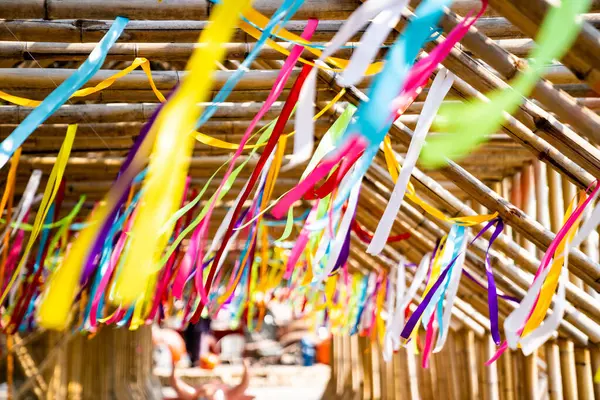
(552, 138)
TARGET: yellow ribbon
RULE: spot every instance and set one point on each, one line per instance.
(551, 282)
(170, 159)
(261, 21)
(411, 194)
(50, 192)
(138, 62)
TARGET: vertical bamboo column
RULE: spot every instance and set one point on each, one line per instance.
(585, 384)
(569, 193)
(411, 367)
(506, 190)
(531, 376)
(453, 367)
(345, 364)
(378, 394)
(541, 193)
(567, 367)
(365, 357)
(357, 372)
(515, 199)
(472, 365)
(508, 381)
(528, 201)
(491, 386)
(400, 381)
(595, 355)
(553, 370)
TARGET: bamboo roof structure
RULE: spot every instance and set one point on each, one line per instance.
(526, 172)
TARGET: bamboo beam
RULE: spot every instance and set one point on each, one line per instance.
(187, 31)
(117, 112)
(584, 56)
(536, 119)
(582, 266)
(581, 299)
(140, 9)
(234, 50)
(49, 78)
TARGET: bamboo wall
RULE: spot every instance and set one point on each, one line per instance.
(115, 364)
(560, 370)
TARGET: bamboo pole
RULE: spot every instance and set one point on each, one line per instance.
(585, 384)
(413, 381)
(528, 200)
(139, 9)
(595, 355)
(583, 57)
(583, 120)
(508, 381)
(173, 31)
(491, 371)
(531, 376)
(472, 365)
(567, 367)
(504, 268)
(553, 363)
(541, 237)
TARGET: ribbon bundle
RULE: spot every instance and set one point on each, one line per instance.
(146, 251)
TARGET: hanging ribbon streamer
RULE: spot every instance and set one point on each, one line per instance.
(162, 187)
(522, 326)
(50, 192)
(467, 125)
(105, 84)
(373, 117)
(439, 88)
(62, 93)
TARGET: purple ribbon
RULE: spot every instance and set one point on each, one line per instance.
(416, 316)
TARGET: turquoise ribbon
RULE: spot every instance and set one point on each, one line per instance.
(374, 117)
(281, 17)
(62, 93)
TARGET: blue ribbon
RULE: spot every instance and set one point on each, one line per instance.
(62, 93)
(281, 17)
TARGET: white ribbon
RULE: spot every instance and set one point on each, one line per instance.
(451, 293)
(589, 225)
(446, 258)
(418, 279)
(439, 88)
(388, 345)
(370, 43)
(342, 232)
(304, 138)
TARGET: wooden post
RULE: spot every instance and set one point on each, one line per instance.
(585, 384)
(515, 199)
(508, 381)
(357, 371)
(553, 371)
(531, 376)
(454, 366)
(472, 365)
(567, 367)
(365, 357)
(569, 192)
(411, 364)
(595, 355)
(528, 201)
(491, 386)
